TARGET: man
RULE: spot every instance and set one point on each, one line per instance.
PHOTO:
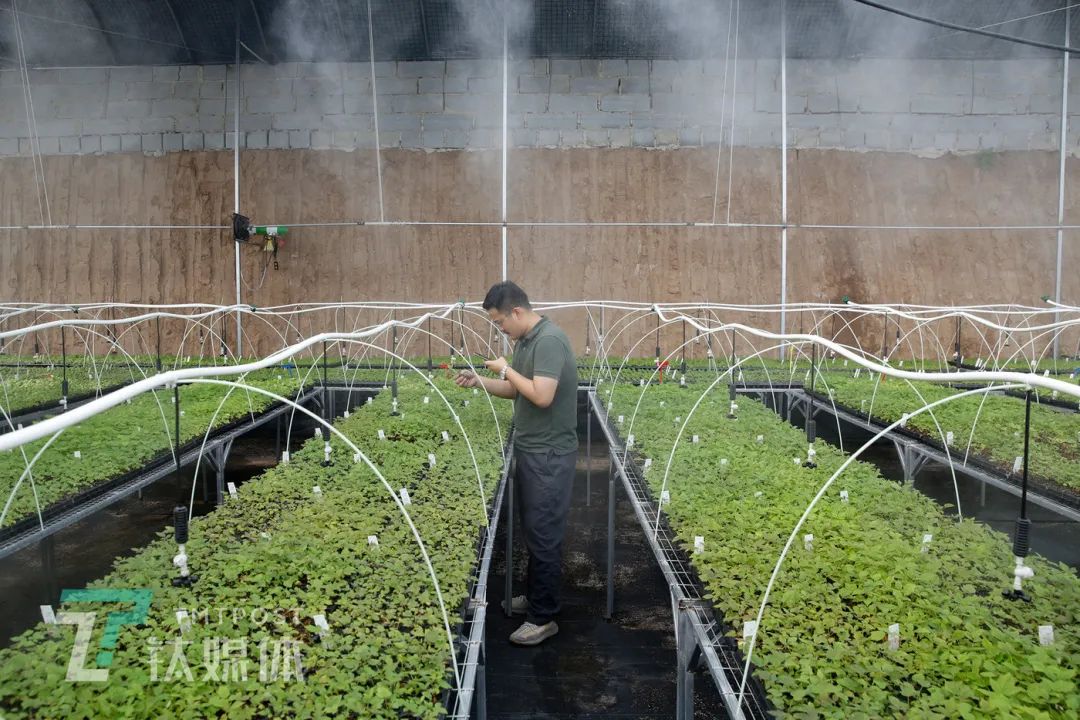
(542, 382)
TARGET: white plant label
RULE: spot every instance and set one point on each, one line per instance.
(699, 544)
(758, 494)
(431, 459)
(808, 542)
(426, 399)
(678, 419)
(47, 614)
(1046, 373)
(405, 499)
(393, 403)
(346, 414)
(368, 401)
(641, 382)
(357, 457)
(843, 496)
(278, 377)
(760, 439)
(665, 497)
(382, 434)
(318, 432)
(183, 620)
(475, 391)
(894, 636)
(926, 542)
(845, 362)
(78, 454)
(695, 439)
(682, 381)
(317, 492)
(949, 438)
(630, 441)
(858, 372)
(326, 452)
(619, 419)
(648, 463)
(373, 540)
(797, 461)
(901, 363)
(1054, 395)
(445, 436)
(466, 403)
(661, 403)
(1046, 633)
(232, 489)
(864, 405)
(734, 407)
(284, 457)
(811, 453)
(320, 622)
(1017, 464)
(182, 413)
(264, 535)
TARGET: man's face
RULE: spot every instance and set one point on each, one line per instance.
(511, 324)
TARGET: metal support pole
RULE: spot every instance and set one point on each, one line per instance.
(64, 363)
(325, 395)
(783, 175)
(176, 412)
(508, 591)
(505, 133)
(588, 453)
(1061, 181)
(687, 653)
(811, 426)
(157, 323)
(236, 178)
(610, 607)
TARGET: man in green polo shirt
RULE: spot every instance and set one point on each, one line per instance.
(542, 382)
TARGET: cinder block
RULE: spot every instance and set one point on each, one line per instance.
(155, 142)
(214, 141)
(257, 139)
(193, 141)
(418, 69)
(399, 121)
(299, 139)
(597, 85)
(941, 104)
(550, 121)
(270, 104)
(455, 139)
(485, 84)
(623, 103)
(134, 73)
(172, 141)
(84, 76)
(416, 103)
(572, 103)
(358, 104)
(167, 73)
(690, 137)
(278, 139)
(631, 85)
(643, 138)
(620, 138)
(110, 143)
(213, 73)
(212, 89)
(395, 86)
(190, 73)
(188, 90)
(528, 103)
(547, 138)
(590, 121)
(174, 107)
(534, 84)
(322, 139)
(431, 85)
(614, 67)
(565, 66)
(447, 122)
(473, 68)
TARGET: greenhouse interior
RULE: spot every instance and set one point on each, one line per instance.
(515, 359)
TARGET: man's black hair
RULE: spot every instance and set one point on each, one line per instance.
(506, 296)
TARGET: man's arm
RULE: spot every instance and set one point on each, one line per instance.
(498, 388)
(540, 391)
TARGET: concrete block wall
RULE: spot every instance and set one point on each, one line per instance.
(925, 107)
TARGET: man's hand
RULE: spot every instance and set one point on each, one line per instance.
(496, 366)
(467, 379)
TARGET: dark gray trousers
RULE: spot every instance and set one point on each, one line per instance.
(544, 482)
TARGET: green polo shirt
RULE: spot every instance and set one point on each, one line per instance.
(545, 351)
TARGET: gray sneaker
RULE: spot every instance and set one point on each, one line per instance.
(529, 634)
(519, 605)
